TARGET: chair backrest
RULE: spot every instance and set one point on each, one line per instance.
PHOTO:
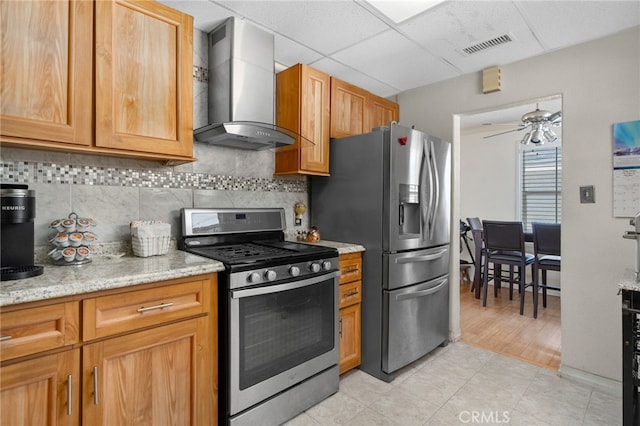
(476, 232)
(474, 223)
(546, 238)
(503, 236)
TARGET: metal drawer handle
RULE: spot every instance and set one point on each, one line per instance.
(151, 308)
(427, 257)
(350, 271)
(95, 386)
(5, 338)
(353, 293)
(69, 394)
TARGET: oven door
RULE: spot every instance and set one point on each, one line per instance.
(280, 335)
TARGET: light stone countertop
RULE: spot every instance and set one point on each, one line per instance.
(105, 273)
(628, 281)
(343, 248)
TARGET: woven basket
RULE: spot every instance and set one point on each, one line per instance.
(151, 246)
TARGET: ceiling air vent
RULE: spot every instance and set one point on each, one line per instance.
(479, 47)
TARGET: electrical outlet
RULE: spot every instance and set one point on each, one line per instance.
(587, 194)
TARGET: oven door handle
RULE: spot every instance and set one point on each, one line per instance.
(239, 294)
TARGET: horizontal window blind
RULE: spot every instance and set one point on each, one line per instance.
(541, 186)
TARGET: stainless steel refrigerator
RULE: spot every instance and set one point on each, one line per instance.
(389, 190)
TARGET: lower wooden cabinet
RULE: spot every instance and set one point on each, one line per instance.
(42, 391)
(147, 356)
(349, 325)
(153, 377)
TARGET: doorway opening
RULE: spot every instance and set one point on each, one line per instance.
(492, 187)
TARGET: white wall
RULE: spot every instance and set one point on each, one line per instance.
(600, 85)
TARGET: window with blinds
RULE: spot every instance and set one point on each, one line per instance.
(541, 186)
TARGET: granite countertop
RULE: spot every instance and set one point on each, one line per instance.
(103, 273)
(628, 281)
(343, 248)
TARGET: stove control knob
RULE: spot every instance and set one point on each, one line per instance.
(326, 265)
(314, 267)
(253, 277)
(270, 275)
(294, 271)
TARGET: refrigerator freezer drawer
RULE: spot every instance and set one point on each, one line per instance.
(417, 321)
(407, 268)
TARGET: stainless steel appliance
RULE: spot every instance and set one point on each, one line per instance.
(389, 190)
(278, 313)
(18, 205)
(241, 89)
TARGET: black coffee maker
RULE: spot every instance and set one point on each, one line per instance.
(18, 205)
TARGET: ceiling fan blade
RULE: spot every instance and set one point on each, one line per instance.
(508, 131)
(555, 117)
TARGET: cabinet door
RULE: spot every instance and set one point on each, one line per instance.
(348, 109)
(314, 122)
(42, 391)
(159, 376)
(144, 94)
(349, 333)
(47, 73)
(382, 112)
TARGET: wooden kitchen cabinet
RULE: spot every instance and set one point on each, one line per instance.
(147, 355)
(140, 103)
(355, 111)
(350, 299)
(303, 106)
(42, 389)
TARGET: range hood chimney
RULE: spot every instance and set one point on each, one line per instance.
(241, 89)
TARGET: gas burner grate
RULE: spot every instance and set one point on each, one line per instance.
(246, 252)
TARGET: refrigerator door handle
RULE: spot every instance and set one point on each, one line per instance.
(425, 207)
(423, 293)
(425, 258)
(435, 199)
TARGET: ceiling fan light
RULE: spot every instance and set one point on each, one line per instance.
(537, 136)
(526, 139)
(550, 135)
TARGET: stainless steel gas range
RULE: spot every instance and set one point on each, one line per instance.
(278, 313)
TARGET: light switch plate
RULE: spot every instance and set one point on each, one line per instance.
(587, 194)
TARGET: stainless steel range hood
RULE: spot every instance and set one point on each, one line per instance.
(241, 89)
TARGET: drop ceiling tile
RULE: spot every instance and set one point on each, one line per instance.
(391, 58)
(288, 52)
(354, 77)
(564, 23)
(206, 15)
(454, 25)
(325, 26)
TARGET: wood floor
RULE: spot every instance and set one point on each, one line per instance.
(500, 328)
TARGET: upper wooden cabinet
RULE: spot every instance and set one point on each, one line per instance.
(302, 105)
(348, 109)
(142, 99)
(47, 71)
(355, 111)
(382, 111)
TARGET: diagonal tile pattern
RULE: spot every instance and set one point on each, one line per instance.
(463, 385)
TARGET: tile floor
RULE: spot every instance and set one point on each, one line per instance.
(463, 385)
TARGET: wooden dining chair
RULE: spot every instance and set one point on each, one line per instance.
(546, 247)
(476, 233)
(504, 245)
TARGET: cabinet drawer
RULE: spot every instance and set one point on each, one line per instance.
(123, 312)
(33, 330)
(350, 293)
(350, 267)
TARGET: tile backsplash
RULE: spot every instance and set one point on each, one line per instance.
(116, 191)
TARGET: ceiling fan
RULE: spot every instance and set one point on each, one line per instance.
(539, 123)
